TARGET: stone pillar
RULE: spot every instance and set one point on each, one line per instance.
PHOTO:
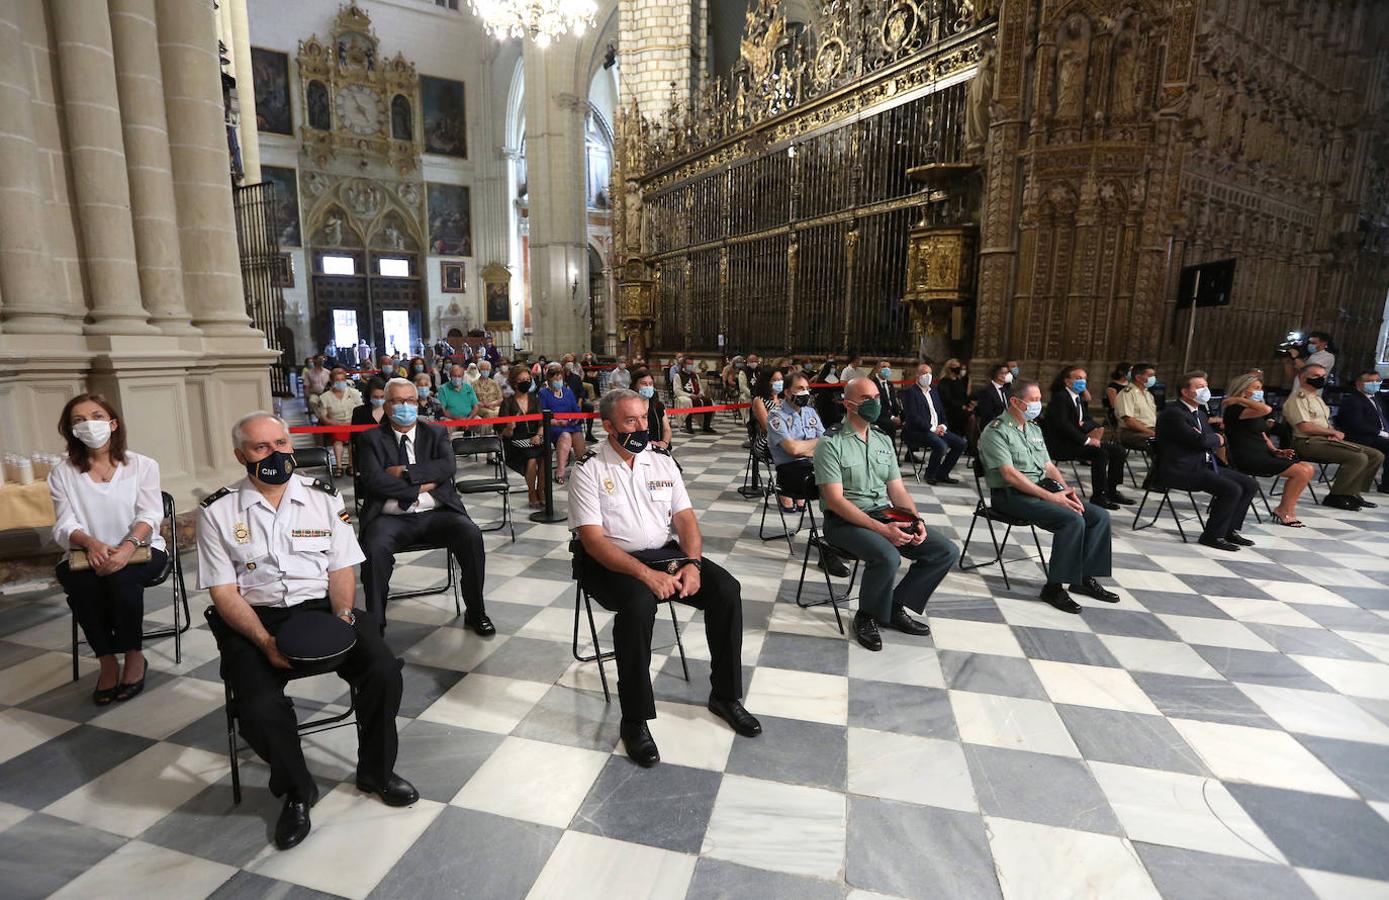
(140, 84)
(27, 271)
(201, 167)
(657, 40)
(91, 111)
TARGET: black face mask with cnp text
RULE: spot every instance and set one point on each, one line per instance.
(633, 441)
(273, 469)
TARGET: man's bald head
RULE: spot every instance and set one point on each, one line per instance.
(859, 389)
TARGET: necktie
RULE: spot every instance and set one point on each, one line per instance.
(403, 456)
(1080, 410)
(1379, 411)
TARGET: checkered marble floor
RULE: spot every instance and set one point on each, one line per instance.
(1223, 731)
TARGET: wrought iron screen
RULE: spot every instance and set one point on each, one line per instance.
(256, 215)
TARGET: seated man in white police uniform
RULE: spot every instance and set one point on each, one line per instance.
(622, 504)
(276, 552)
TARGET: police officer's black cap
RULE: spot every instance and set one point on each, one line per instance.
(314, 638)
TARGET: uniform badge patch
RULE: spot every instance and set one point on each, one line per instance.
(776, 423)
(609, 486)
(345, 517)
(241, 533)
(250, 567)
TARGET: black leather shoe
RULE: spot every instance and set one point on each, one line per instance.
(641, 747)
(1092, 588)
(932, 480)
(1340, 501)
(708, 431)
(906, 624)
(480, 623)
(946, 479)
(1120, 498)
(293, 824)
(832, 564)
(395, 792)
(1383, 489)
(866, 631)
(1056, 595)
(1238, 539)
(1104, 503)
(1365, 504)
(738, 718)
(1216, 543)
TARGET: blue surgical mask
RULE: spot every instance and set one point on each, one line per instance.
(1078, 385)
(378, 401)
(1370, 387)
(778, 386)
(340, 385)
(423, 392)
(557, 384)
(405, 414)
(1256, 396)
(456, 382)
(1014, 371)
(419, 369)
(1034, 409)
(647, 391)
(1152, 380)
(884, 374)
(1203, 395)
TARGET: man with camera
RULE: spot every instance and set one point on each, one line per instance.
(869, 513)
(1315, 351)
(1025, 483)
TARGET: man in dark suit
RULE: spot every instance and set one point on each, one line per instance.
(1364, 417)
(1186, 445)
(991, 400)
(407, 473)
(1072, 435)
(890, 419)
(923, 425)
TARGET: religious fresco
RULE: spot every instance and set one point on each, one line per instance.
(270, 78)
(450, 220)
(286, 185)
(445, 121)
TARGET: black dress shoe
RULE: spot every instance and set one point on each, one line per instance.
(1092, 588)
(1238, 539)
(1120, 498)
(293, 824)
(906, 624)
(1383, 489)
(1104, 503)
(641, 747)
(932, 480)
(1365, 504)
(480, 623)
(832, 564)
(946, 479)
(708, 431)
(1056, 595)
(1216, 543)
(1340, 501)
(866, 631)
(738, 718)
(395, 792)
(125, 691)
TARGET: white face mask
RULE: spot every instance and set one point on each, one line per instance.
(1007, 377)
(94, 432)
(924, 379)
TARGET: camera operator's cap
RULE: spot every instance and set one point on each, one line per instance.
(314, 637)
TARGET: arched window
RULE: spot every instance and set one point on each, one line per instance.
(402, 125)
(317, 101)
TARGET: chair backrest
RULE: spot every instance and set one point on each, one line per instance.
(473, 445)
(313, 458)
(170, 516)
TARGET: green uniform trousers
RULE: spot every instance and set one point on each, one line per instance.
(1080, 546)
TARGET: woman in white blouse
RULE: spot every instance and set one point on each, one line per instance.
(108, 504)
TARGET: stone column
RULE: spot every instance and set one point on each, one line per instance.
(140, 84)
(27, 271)
(91, 112)
(201, 167)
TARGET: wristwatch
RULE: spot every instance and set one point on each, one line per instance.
(350, 617)
(136, 542)
(697, 563)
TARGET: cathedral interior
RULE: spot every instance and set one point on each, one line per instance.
(199, 196)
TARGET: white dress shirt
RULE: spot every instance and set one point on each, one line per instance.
(633, 504)
(106, 510)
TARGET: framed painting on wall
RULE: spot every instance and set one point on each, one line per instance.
(498, 303)
(270, 79)
(284, 271)
(444, 118)
(451, 277)
(287, 204)
(450, 219)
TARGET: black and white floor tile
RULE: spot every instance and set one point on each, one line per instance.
(1223, 731)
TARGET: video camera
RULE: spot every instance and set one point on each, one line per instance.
(1295, 341)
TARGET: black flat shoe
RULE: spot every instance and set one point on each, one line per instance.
(1216, 543)
(866, 631)
(1365, 504)
(104, 696)
(293, 824)
(641, 747)
(1056, 596)
(1340, 501)
(946, 479)
(1092, 588)
(1120, 498)
(480, 623)
(833, 565)
(1238, 539)
(1104, 503)
(738, 718)
(906, 624)
(395, 792)
(126, 692)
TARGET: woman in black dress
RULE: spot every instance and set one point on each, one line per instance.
(1118, 380)
(954, 393)
(1250, 451)
(521, 441)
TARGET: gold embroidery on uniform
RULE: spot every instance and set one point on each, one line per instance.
(609, 486)
(241, 533)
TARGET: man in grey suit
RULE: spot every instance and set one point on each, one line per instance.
(409, 500)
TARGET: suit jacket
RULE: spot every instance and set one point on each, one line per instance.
(1359, 416)
(378, 449)
(1182, 449)
(916, 418)
(891, 401)
(988, 405)
(1064, 428)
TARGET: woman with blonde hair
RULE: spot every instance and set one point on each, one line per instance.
(1250, 451)
(954, 393)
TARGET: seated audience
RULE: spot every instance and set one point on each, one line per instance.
(262, 575)
(522, 441)
(335, 408)
(409, 499)
(991, 400)
(1072, 435)
(692, 388)
(1025, 483)
(857, 473)
(1314, 439)
(1186, 460)
(370, 413)
(489, 393)
(316, 381)
(584, 392)
(1118, 380)
(656, 419)
(429, 406)
(458, 398)
(854, 369)
(924, 426)
(620, 376)
(1135, 409)
(108, 507)
(954, 393)
(1250, 451)
(622, 505)
(890, 419)
(1364, 417)
(793, 431)
(567, 435)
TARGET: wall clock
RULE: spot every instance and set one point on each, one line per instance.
(359, 109)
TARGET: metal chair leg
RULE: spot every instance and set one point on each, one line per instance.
(1041, 556)
(597, 650)
(680, 645)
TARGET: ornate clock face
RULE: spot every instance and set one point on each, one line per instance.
(359, 110)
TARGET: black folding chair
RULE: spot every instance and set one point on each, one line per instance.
(172, 573)
(499, 483)
(771, 493)
(581, 595)
(312, 726)
(1152, 486)
(822, 545)
(316, 458)
(451, 584)
(982, 510)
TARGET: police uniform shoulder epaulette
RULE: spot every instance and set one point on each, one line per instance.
(996, 423)
(324, 486)
(879, 430)
(836, 428)
(661, 450)
(586, 457)
(214, 497)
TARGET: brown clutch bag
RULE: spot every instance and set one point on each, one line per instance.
(79, 562)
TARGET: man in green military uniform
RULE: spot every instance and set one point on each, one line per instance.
(856, 470)
(1025, 483)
